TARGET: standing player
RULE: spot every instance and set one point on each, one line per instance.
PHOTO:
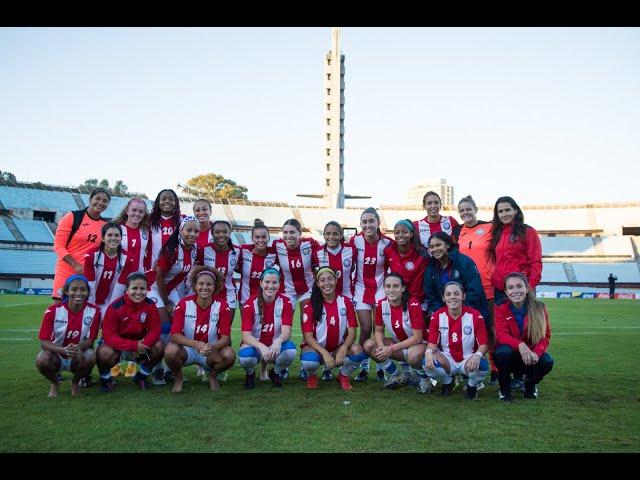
(131, 330)
(135, 222)
(201, 330)
(329, 328)
(370, 244)
(295, 257)
(402, 318)
(253, 259)
(266, 330)
(77, 233)
(457, 343)
(67, 334)
(202, 211)
(165, 219)
(340, 256)
(433, 222)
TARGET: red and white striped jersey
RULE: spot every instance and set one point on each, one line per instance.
(398, 323)
(296, 265)
(268, 325)
(337, 317)
(159, 237)
(62, 327)
(250, 266)
(411, 267)
(369, 268)
(225, 262)
(458, 337)
(107, 275)
(204, 237)
(135, 241)
(426, 228)
(201, 324)
(176, 273)
(342, 261)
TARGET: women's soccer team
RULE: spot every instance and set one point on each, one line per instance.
(447, 302)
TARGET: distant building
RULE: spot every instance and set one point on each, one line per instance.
(438, 185)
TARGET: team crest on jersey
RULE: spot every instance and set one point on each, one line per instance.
(154, 299)
(446, 225)
(143, 317)
(409, 266)
(480, 231)
(215, 317)
(381, 252)
(346, 262)
(232, 262)
(305, 317)
(87, 320)
(455, 275)
(144, 235)
(278, 311)
(343, 311)
(306, 250)
(268, 263)
(467, 330)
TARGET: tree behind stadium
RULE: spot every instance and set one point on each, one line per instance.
(211, 185)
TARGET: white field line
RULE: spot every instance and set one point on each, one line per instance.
(14, 339)
(25, 304)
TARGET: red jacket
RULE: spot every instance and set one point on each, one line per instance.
(126, 323)
(524, 256)
(507, 332)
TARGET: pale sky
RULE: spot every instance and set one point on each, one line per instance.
(546, 115)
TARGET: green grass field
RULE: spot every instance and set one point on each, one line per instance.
(590, 402)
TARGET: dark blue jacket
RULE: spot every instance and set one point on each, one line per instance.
(463, 271)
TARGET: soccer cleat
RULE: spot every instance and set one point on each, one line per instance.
(494, 378)
(344, 382)
(60, 377)
(157, 377)
(284, 374)
(199, 371)
(480, 386)
(472, 392)
(424, 386)
(312, 382)
(380, 376)
(250, 381)
(395, 381)
(141, 381)
(302, 375)
(116, 370)
(107, 385)
(413, 380)
(224, 376)
(85, 382)
(131, 370)
(362, 376)
(327, 375)
(530, 391)
(276, 380)
(169, 376)
(505, 397)
(447, 388)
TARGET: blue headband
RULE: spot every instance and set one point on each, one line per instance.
(406, 223)
(268, 271)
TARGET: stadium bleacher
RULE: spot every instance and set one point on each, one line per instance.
(5, 233)
(34, 230)
(26, 262)
(553, 272)
(598, 272)
(30, 198)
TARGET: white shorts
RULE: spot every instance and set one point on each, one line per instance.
(295, 299)
(155, 297)
(456, 367)
(232, 299)
(362, 306)
(194, 357)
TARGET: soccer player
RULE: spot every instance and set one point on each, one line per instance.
(457, 343)
(474, 240)
(401, 316)
(515, 247)
(77, 233)
(447, 264)
(131, 330)
(266, 330)
(433, 222)
(340, 256)
(522, 338)
(370, 245)
(135, 222)
(202, 211)
(295, 257)
(201, 330)
(165, 219)
(107, 268)
(329, 328)
(67, 334)
(223, 255)
(253, 259)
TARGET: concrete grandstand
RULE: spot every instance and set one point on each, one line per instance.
(581, 244)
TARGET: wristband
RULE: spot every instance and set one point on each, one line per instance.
(429, 350)
(478, 353)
